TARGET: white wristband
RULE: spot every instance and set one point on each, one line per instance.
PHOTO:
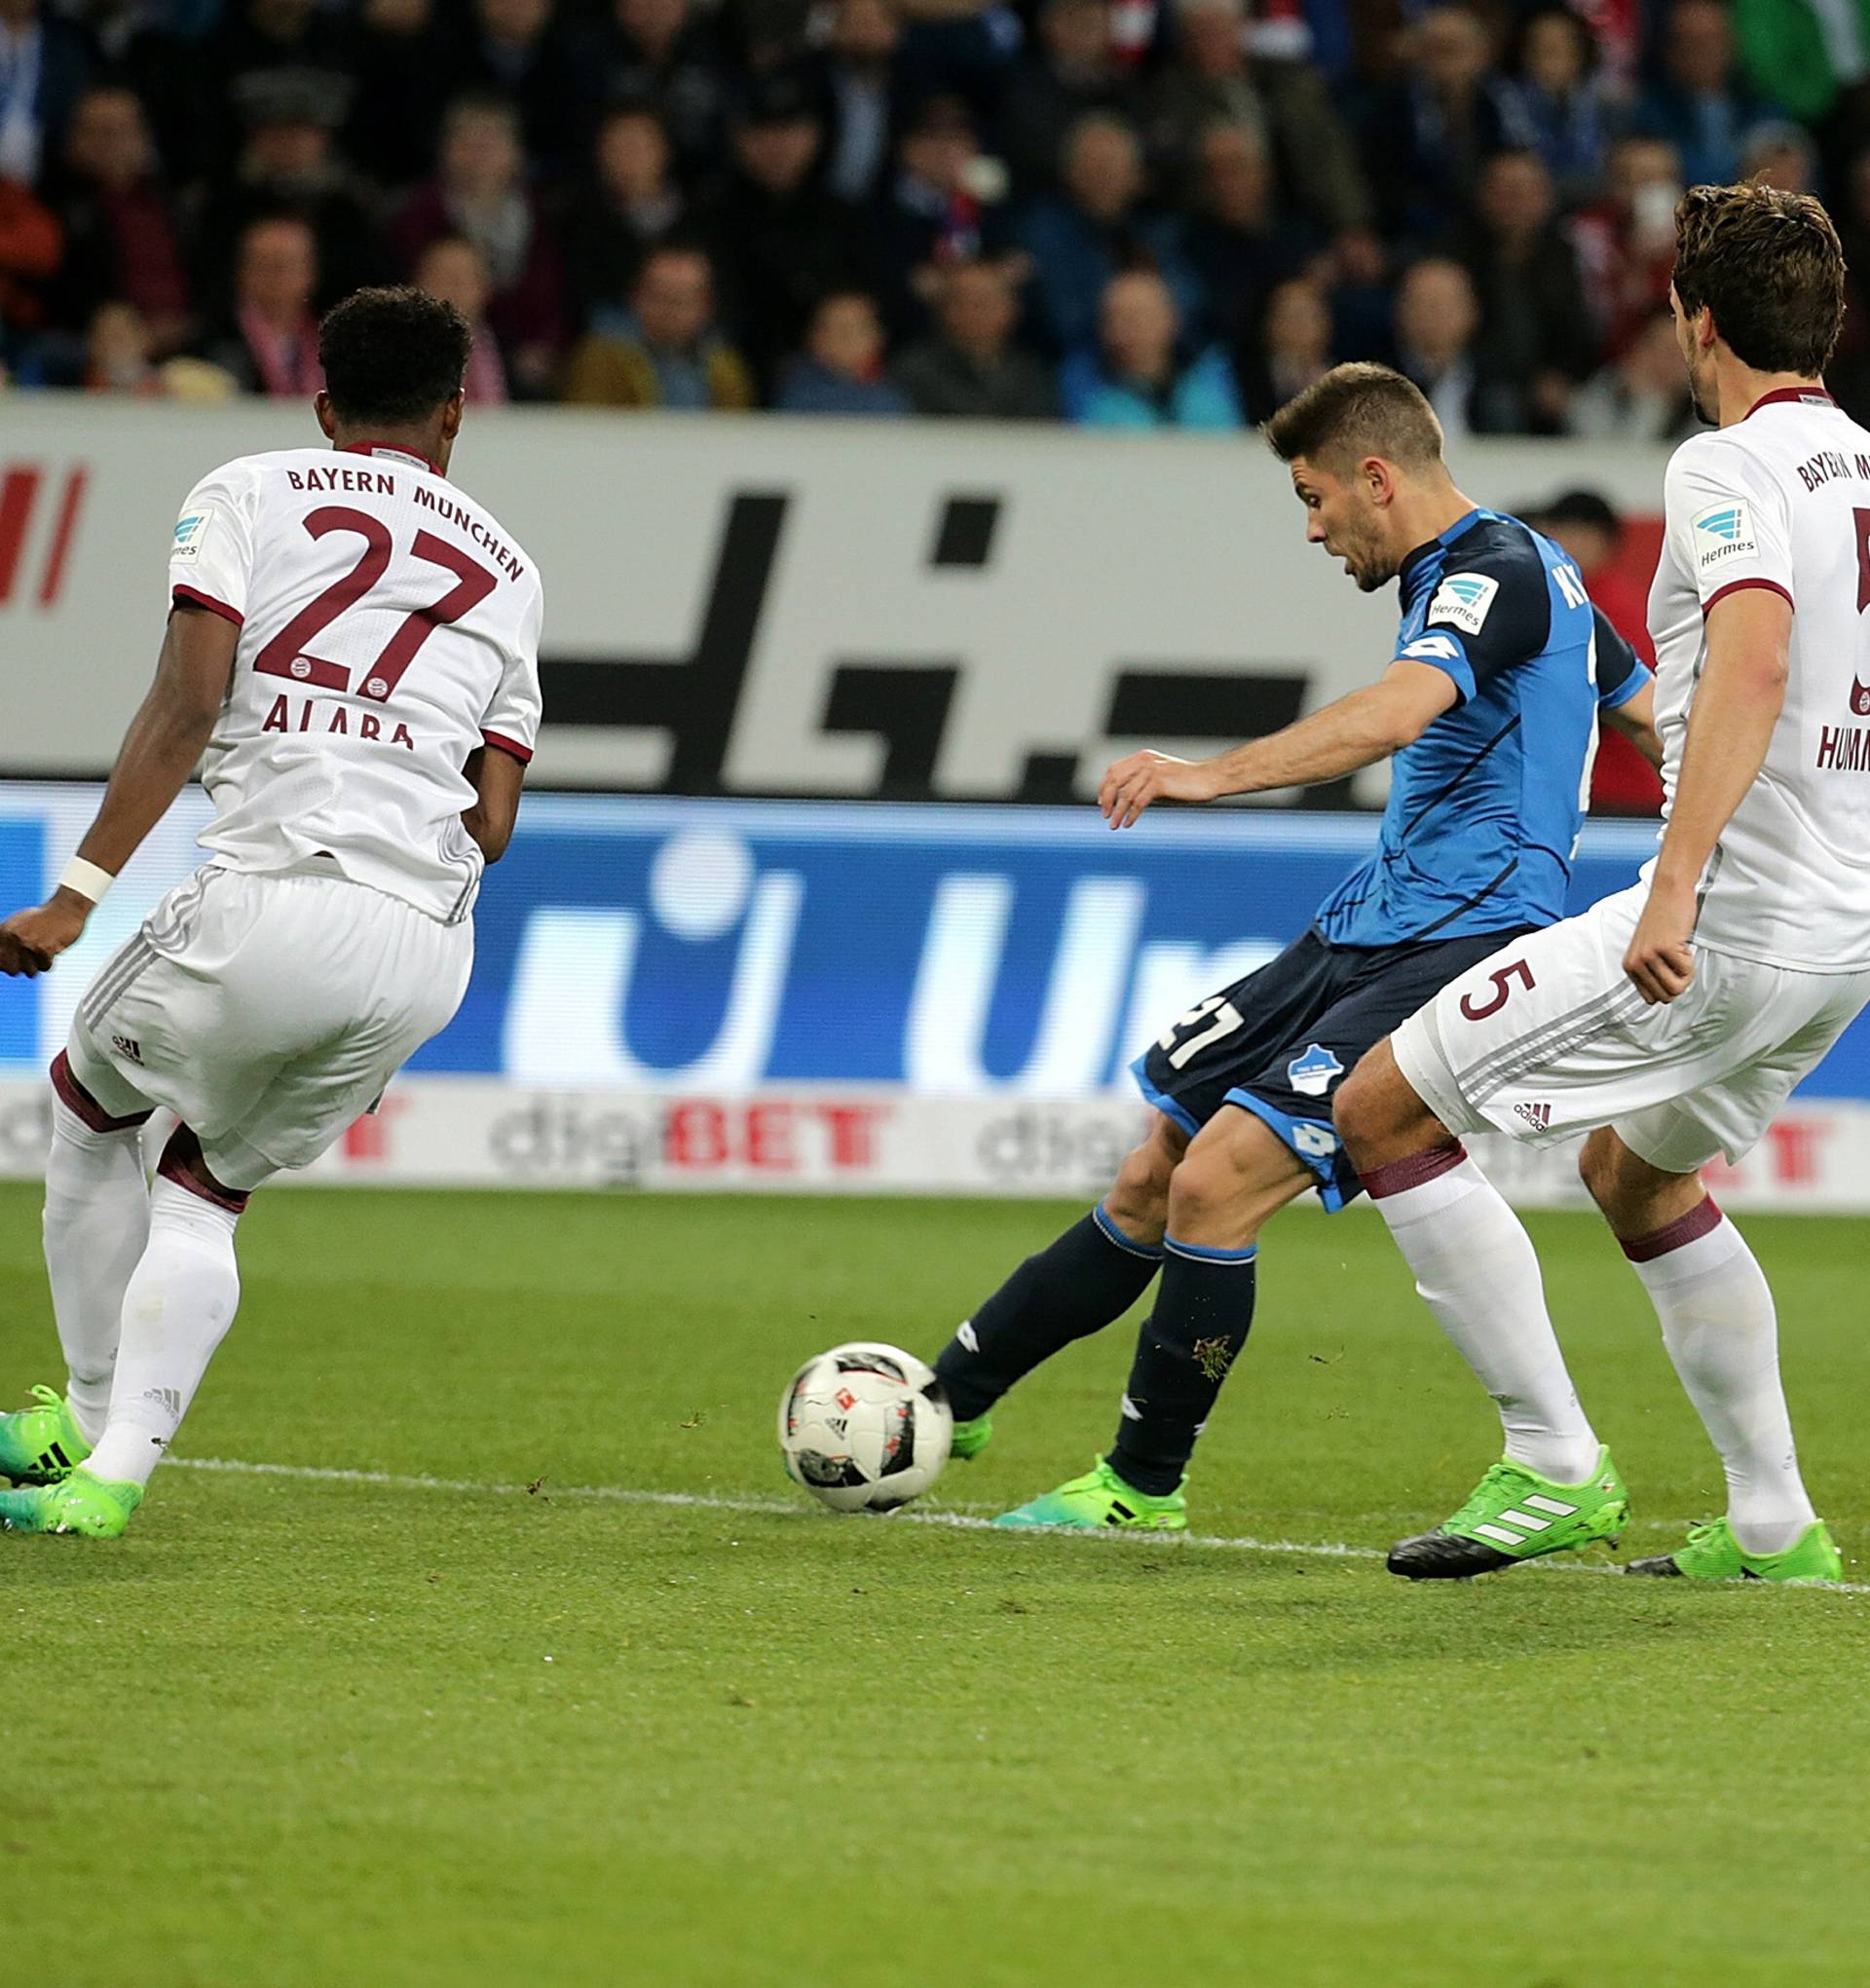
(87, 880)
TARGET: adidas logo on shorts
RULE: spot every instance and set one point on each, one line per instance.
(1537, 1115)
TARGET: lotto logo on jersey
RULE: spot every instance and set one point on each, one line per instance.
(1431, 648)
(1724, 531)
(1463, 600)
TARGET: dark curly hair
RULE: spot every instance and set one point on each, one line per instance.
(1768, 265)
(393, 356)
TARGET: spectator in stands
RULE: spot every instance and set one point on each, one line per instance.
(935, 212)
(1702, 105)
(1241, 247)
(1626, 244)
(287, 166)
(1138, 378)
(44, 68)
(1780, 155)
(1584, 524)
(855, 80)
(272, 346)
(122, 236)
(1097, 227)
(770, 222)
(1073, 72)
(118, 354)
(481, 191)
(400, 66)
(658, 52)
(1211, 80)
(452, 269)
(253, 36)
(631, 204)
(1639, 396)
(665, 352)
(1438, 318)
(30, 248)
(970, 369)
(516, 50)
(1294, 349)
(841, 371)
(1537, 340)
(1563, 100)
(1426, 137)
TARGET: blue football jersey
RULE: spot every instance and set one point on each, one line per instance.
(1485, 807)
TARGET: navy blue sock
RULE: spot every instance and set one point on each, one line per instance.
(1092, 1274)
(1204, 1311)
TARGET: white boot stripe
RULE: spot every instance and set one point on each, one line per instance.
(1526, 1519)
(1556, 1506)
(1499, 1535)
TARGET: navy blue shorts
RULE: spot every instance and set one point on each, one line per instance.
(1279, 1042)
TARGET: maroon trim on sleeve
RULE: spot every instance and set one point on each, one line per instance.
(502, 743)
(182, 1163)
(196, 599)
(1412, 1171)
(1720, 594)
(1685, 1229)
(78, 1100)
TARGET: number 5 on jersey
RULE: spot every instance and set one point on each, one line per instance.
(284, 656)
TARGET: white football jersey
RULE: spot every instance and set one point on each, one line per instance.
(389, 628)
(1779, 500)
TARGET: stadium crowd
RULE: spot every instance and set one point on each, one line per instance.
(1128, 214)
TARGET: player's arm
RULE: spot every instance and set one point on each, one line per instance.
(1729, 728)
(1355, 731)
(1635, 719)
(165, 739)
(497, 779)
(1626, 689)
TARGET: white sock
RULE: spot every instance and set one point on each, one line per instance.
(96, 1225)
(1721, 1331)
(1475, 1267)
(181, 1303)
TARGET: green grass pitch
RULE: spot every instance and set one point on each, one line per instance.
(297, 1729)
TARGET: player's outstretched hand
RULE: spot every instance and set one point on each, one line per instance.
(31, 940)
(1130, 784)
(1660, 961)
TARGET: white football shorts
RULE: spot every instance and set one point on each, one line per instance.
(266, 1012)
(1549, 1037)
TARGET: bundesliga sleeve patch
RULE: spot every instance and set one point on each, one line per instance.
(1723, 531)
(190, 532)
(1463, 599)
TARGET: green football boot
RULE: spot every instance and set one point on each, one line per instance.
(1713, 1554)
(1101, 1500)
(1516, 1514)
(81, 1504)
(971, 1438)
(41, 1445)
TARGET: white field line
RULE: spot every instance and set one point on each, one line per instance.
(786, 1508)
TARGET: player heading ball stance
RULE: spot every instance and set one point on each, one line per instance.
(1674, 1018)
(1489, 705)
(354, 644)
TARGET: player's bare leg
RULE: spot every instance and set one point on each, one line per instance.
(1092, 1274)
(1476, 1268)
(1718, 1323)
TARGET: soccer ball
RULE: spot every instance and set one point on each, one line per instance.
(865, 1428)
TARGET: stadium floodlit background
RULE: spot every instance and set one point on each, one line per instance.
(475, 1630)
